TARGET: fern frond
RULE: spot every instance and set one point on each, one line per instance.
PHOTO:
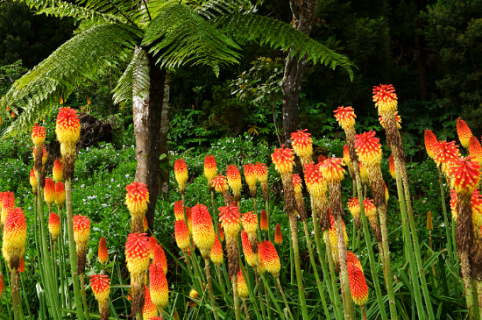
(178, 35)
(213, 8)
(135, 79)
(68, 9)
(79, 58)
(277, 34)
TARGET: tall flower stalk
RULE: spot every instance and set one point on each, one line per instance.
(210, 172)
(369, 151)
(385, 100)
(284, 160)
(332, 170)
(346, 118)
(231, 222)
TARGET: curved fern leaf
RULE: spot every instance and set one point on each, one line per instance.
(277, 34)
(135, 79)
(178, 35)
(67, 9)
(58, 75)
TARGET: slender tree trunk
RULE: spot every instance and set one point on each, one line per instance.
(165, 119)
(303, 15)
(147, 112)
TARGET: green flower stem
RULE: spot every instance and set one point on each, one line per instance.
(330, 284)
(61, 262)
(446, 220)
(15, 296)
(84, 297)
(368, 242)
(210, 288)
(401, 169)
(315, 270)
(50, 282)
(246, 309)
(25, 297)
(72, 251)
(284, 297)
(215, 214)
(260, 294)
(237, 311)
(408, 246)
(468, 288)
(267, 216)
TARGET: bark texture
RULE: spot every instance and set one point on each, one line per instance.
(148, 112)
(303, 16)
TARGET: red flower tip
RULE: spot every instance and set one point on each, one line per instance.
(346, 155)
(181, 174)
(354, 206)
(430, 142)
(270, 257)
(345, 117)
(248, 252)
(202, 228)
(68, 126)
(391, 165)
(159, 257)
(315, 183)
(49, 191)
(475, 150)
(297, 185)
(181, 233)
(385, 97)
(230, 219)
(33, 179)
(302, 143)
(445, 153)
(38, 135)
(178, 210)
(321, 158)
(250, 222)
(261, 172)
(54, 226)
(81, 229)
(100, 285)
(217, 255)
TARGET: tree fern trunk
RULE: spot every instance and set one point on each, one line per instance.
(147, 112)
(165, 119)
(303, 15)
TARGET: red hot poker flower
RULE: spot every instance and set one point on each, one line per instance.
(202, 229)
(230, 219)
(261, 172)
(137, 198)
(178, 210)
(385, 97)
(100, 284)
(368, 148)
(49, 191)
(430, 142)
(33, 180)
(14, 237)
(103, 253)
(160, 258)
(81, 229)
(219, 183)
(464, 132)
(181, 174)
(181, 233)
(391, 165)
(68, 126)
(278, 236)
(54, 226)
(466, 174)
(263, 220)
(270, 258)
(358, 285)
(248, 252)
(315, 183)
(345, 117)
(59, 194)
(38, 135)
(159, 288)
(217, 255)
(137, 253)
(57, 173)
(250, 222)
(283, 160)
(398, 119)
(152, 245)
(302, 143)
(234, 181)
(475, 150)
(210, 168)
(332, 169)
(149, 310)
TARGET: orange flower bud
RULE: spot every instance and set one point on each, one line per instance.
(243, 291)
(219, 183)
(38, 135)
(137, 198)
(263, 221)
(251, 178)
(352, 258)
(358, 285)
(49, 191)
(160, 258)
(221, 232)
(430, 142)
(217, 255)
(302, 144)
(202, 229)
(178, 210)
(283, 160)
(230, 219)
(475, 150)
(346, 155)
(345, 117)
(33, 180)
(137, 253)
(59, 194)
(159, 288)
(54, 226)
(261, 172)
(68, 126)
(14, 237)
(234, 181)
(103, 253)
(181, 233)
(145, 225)
(81, 229)
(466, 174)
(248, 252)
(391, 164)
(210, 168)
(385, 97)
(250, 222)
(278, 236)
(152, 245)
(270, 257)
(180, 172)
(464, 132)
(149, 310)
(57, 172)
(368, 148)
(332, 169)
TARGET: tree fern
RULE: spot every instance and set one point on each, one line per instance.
(178, 36)
(67, 9)
(277, 34)
(73, 62)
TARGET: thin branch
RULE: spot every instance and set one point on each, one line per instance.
(147, 9)
(122, 13)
